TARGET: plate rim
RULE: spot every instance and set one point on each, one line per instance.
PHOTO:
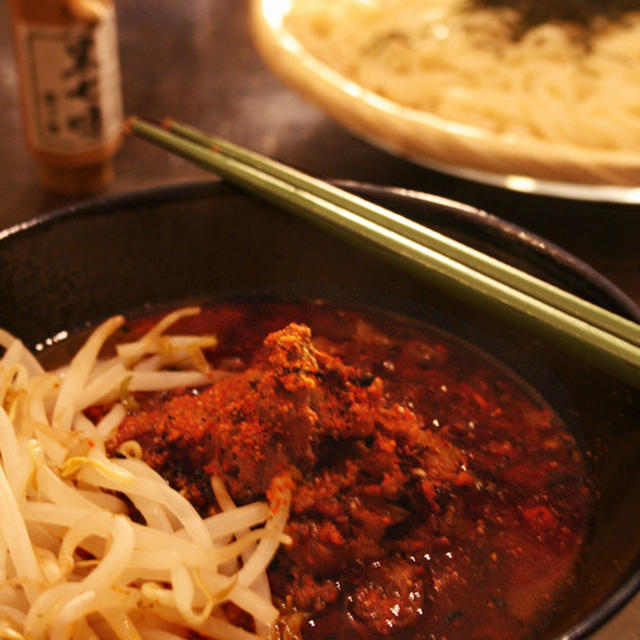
(289, 60)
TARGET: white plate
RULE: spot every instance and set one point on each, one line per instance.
(517, 163)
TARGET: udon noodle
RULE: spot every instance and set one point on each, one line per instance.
(74, 563)
(464, 65)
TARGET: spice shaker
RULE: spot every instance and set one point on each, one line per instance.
(69, 78)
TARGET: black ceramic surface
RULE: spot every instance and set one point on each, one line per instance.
(73, 267)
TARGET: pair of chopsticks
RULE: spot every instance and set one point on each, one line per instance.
(605, 338)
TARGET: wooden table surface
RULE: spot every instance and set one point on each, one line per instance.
(194, 60)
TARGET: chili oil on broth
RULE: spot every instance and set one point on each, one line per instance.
(480, 549)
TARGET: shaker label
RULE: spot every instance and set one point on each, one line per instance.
(72, 84)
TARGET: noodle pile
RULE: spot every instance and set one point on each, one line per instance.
(73, 563)
(461, 63)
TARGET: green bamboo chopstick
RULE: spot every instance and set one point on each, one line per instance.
(550, 294)
(618, 355)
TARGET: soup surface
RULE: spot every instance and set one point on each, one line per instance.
(435, 495)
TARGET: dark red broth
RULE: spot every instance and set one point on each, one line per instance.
(437, 497)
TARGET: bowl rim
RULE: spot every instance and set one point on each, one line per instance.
(477, 218)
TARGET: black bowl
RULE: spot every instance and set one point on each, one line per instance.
(70, 268)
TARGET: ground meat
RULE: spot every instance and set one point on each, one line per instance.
(246, 428)
(357, 458)
(293, 405)
(422, 476)
(392, 596)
